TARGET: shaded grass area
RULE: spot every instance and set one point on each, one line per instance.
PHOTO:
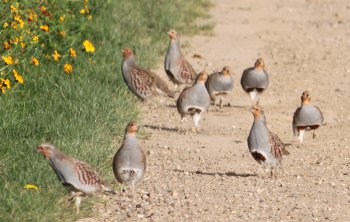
(83, 113)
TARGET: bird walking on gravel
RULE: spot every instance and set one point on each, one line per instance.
(266, 147)
(178, 69)
(255, 80)
(75, 174)
(194, 100)
(219, 85)
(306, 117)
(129, 163)
(141, 82)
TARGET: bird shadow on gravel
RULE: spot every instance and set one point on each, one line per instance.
(229, 174)
(161, 128)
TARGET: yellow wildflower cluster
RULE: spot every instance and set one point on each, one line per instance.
(35, 36)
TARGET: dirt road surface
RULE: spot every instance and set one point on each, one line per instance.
(211, 176)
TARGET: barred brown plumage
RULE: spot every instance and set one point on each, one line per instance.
(141, 82)
(265, 146)
(77, 175)
(178, 69)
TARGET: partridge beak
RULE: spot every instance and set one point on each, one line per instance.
(122, 50)
(250, 109)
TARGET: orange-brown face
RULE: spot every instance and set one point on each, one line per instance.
(305, 97)
(257, 111)
(132, 127)
(226, 71)
(202, 77)
(126, 52)
(260, 63)
(46, 150)
(172, 34)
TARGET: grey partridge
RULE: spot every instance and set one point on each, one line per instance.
(194, 100)
(255, 80)
(141, 82)
(78, 176)
(266, 147)
(129, 163)
(306, 117)
(219, 85)
(178, 69)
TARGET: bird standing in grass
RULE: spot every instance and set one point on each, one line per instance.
(141, 82)
(194, 100)
(255, 80)
(306, 117)
(266, 147)
(178, 69)
(219, 85)
(129, 163)
(75, 174)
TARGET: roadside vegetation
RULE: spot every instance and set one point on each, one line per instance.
(60, 82)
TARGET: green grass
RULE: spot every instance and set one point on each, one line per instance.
(83, 113)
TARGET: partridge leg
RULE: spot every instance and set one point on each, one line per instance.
(301, 135)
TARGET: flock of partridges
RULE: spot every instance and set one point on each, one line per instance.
(129, 163)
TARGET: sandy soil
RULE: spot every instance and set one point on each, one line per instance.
(211, 176)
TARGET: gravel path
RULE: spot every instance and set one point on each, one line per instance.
(211, 176)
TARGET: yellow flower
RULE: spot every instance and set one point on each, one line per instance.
(14, 40)
(19, 20)
(7, 83)
(2, 86)
(23, 45)
(13, 8)
(8, 60)
(35, 61)
(18, 77)
(68, 68)
(32, 15)
(42, 8)
(62, 18)
(89, 47)
(82, 11)
(62, 33)
(35, 38)
(5, 25)
(44, 28)
(30, 186)
(4, 83)
(56, 56)
(72, 52)
(14, 25)
(90, 17)
(6, 45)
